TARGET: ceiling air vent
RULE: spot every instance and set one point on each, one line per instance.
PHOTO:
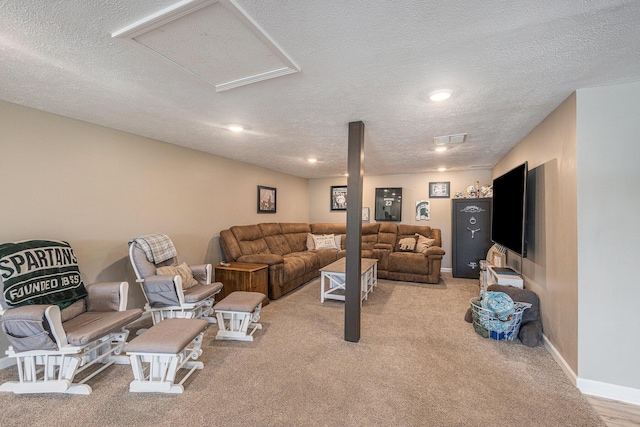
(450, 139)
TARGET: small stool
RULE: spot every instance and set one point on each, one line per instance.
(236, 313)
(165, 347)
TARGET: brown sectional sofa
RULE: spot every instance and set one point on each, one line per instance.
(283, 246)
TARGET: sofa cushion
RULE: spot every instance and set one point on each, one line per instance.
(326, 256)
(297, 264)
(296, 235)
(275, 239)
(250, 239)
(387, 234)
(408, 262)
(328, 228)
(423, 243)
(369, 236)
(406, 244)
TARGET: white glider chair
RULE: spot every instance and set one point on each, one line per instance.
(164, 281)
(58, 350)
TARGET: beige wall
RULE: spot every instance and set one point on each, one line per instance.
(415, 187)
(550, 268)
(608, 232)
(97, 188)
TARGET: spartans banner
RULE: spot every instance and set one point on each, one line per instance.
(40, 272)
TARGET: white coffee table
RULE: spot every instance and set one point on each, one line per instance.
(332, 279)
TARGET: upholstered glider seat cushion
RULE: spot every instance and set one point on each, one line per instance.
(92, 325)
(200, 292)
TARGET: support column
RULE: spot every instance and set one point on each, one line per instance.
(355, 168)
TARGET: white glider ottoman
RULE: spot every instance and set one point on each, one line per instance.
(236, 313)
(166, 347)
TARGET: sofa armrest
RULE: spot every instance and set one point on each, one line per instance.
(383, 246)
(269, 259)
(34, 327)
(434, 252)
(162, 291)
(107, 296)
(202, 273)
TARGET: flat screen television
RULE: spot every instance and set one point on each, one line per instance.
(509, 212)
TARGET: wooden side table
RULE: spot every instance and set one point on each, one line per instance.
(242, 276)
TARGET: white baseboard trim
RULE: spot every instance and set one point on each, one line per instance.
(560, 360)
(594, 388)
(446, 269)
(609, 391)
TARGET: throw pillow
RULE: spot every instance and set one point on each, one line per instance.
(406, 244)
(325, 242)
(423, 243)
(312, 246)
(181, 270)
(338, 239)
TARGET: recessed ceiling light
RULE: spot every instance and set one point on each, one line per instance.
(441, 149)
(440, 95)
(312, 160)
(346, 174)
(442, 169)
(236, 128)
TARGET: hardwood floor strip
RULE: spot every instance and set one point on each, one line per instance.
(614, 413)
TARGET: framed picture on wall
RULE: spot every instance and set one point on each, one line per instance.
(266, 199)
(365, 214)
(423, 210)
(388, 204)
(439, 190)
(339, 198)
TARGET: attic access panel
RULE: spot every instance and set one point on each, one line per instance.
(214, 41)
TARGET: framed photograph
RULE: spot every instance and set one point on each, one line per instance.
(439, 189)
(266, 199)
(388, 204)
(339, 198)
(423, 210)
(365, 214)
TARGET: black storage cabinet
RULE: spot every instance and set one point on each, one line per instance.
(471, 233)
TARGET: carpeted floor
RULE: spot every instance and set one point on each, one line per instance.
(418, 363)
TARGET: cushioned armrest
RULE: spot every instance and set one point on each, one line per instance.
(202, 273)
(435, 251)
(163, 290)
(269, 259)
(107, 296)
(383, 246)
(34, 327)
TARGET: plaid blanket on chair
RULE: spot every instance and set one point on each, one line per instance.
(157, 247)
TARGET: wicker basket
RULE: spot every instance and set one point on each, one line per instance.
(483, 318)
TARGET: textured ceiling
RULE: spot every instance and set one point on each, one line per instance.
(509, 64)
